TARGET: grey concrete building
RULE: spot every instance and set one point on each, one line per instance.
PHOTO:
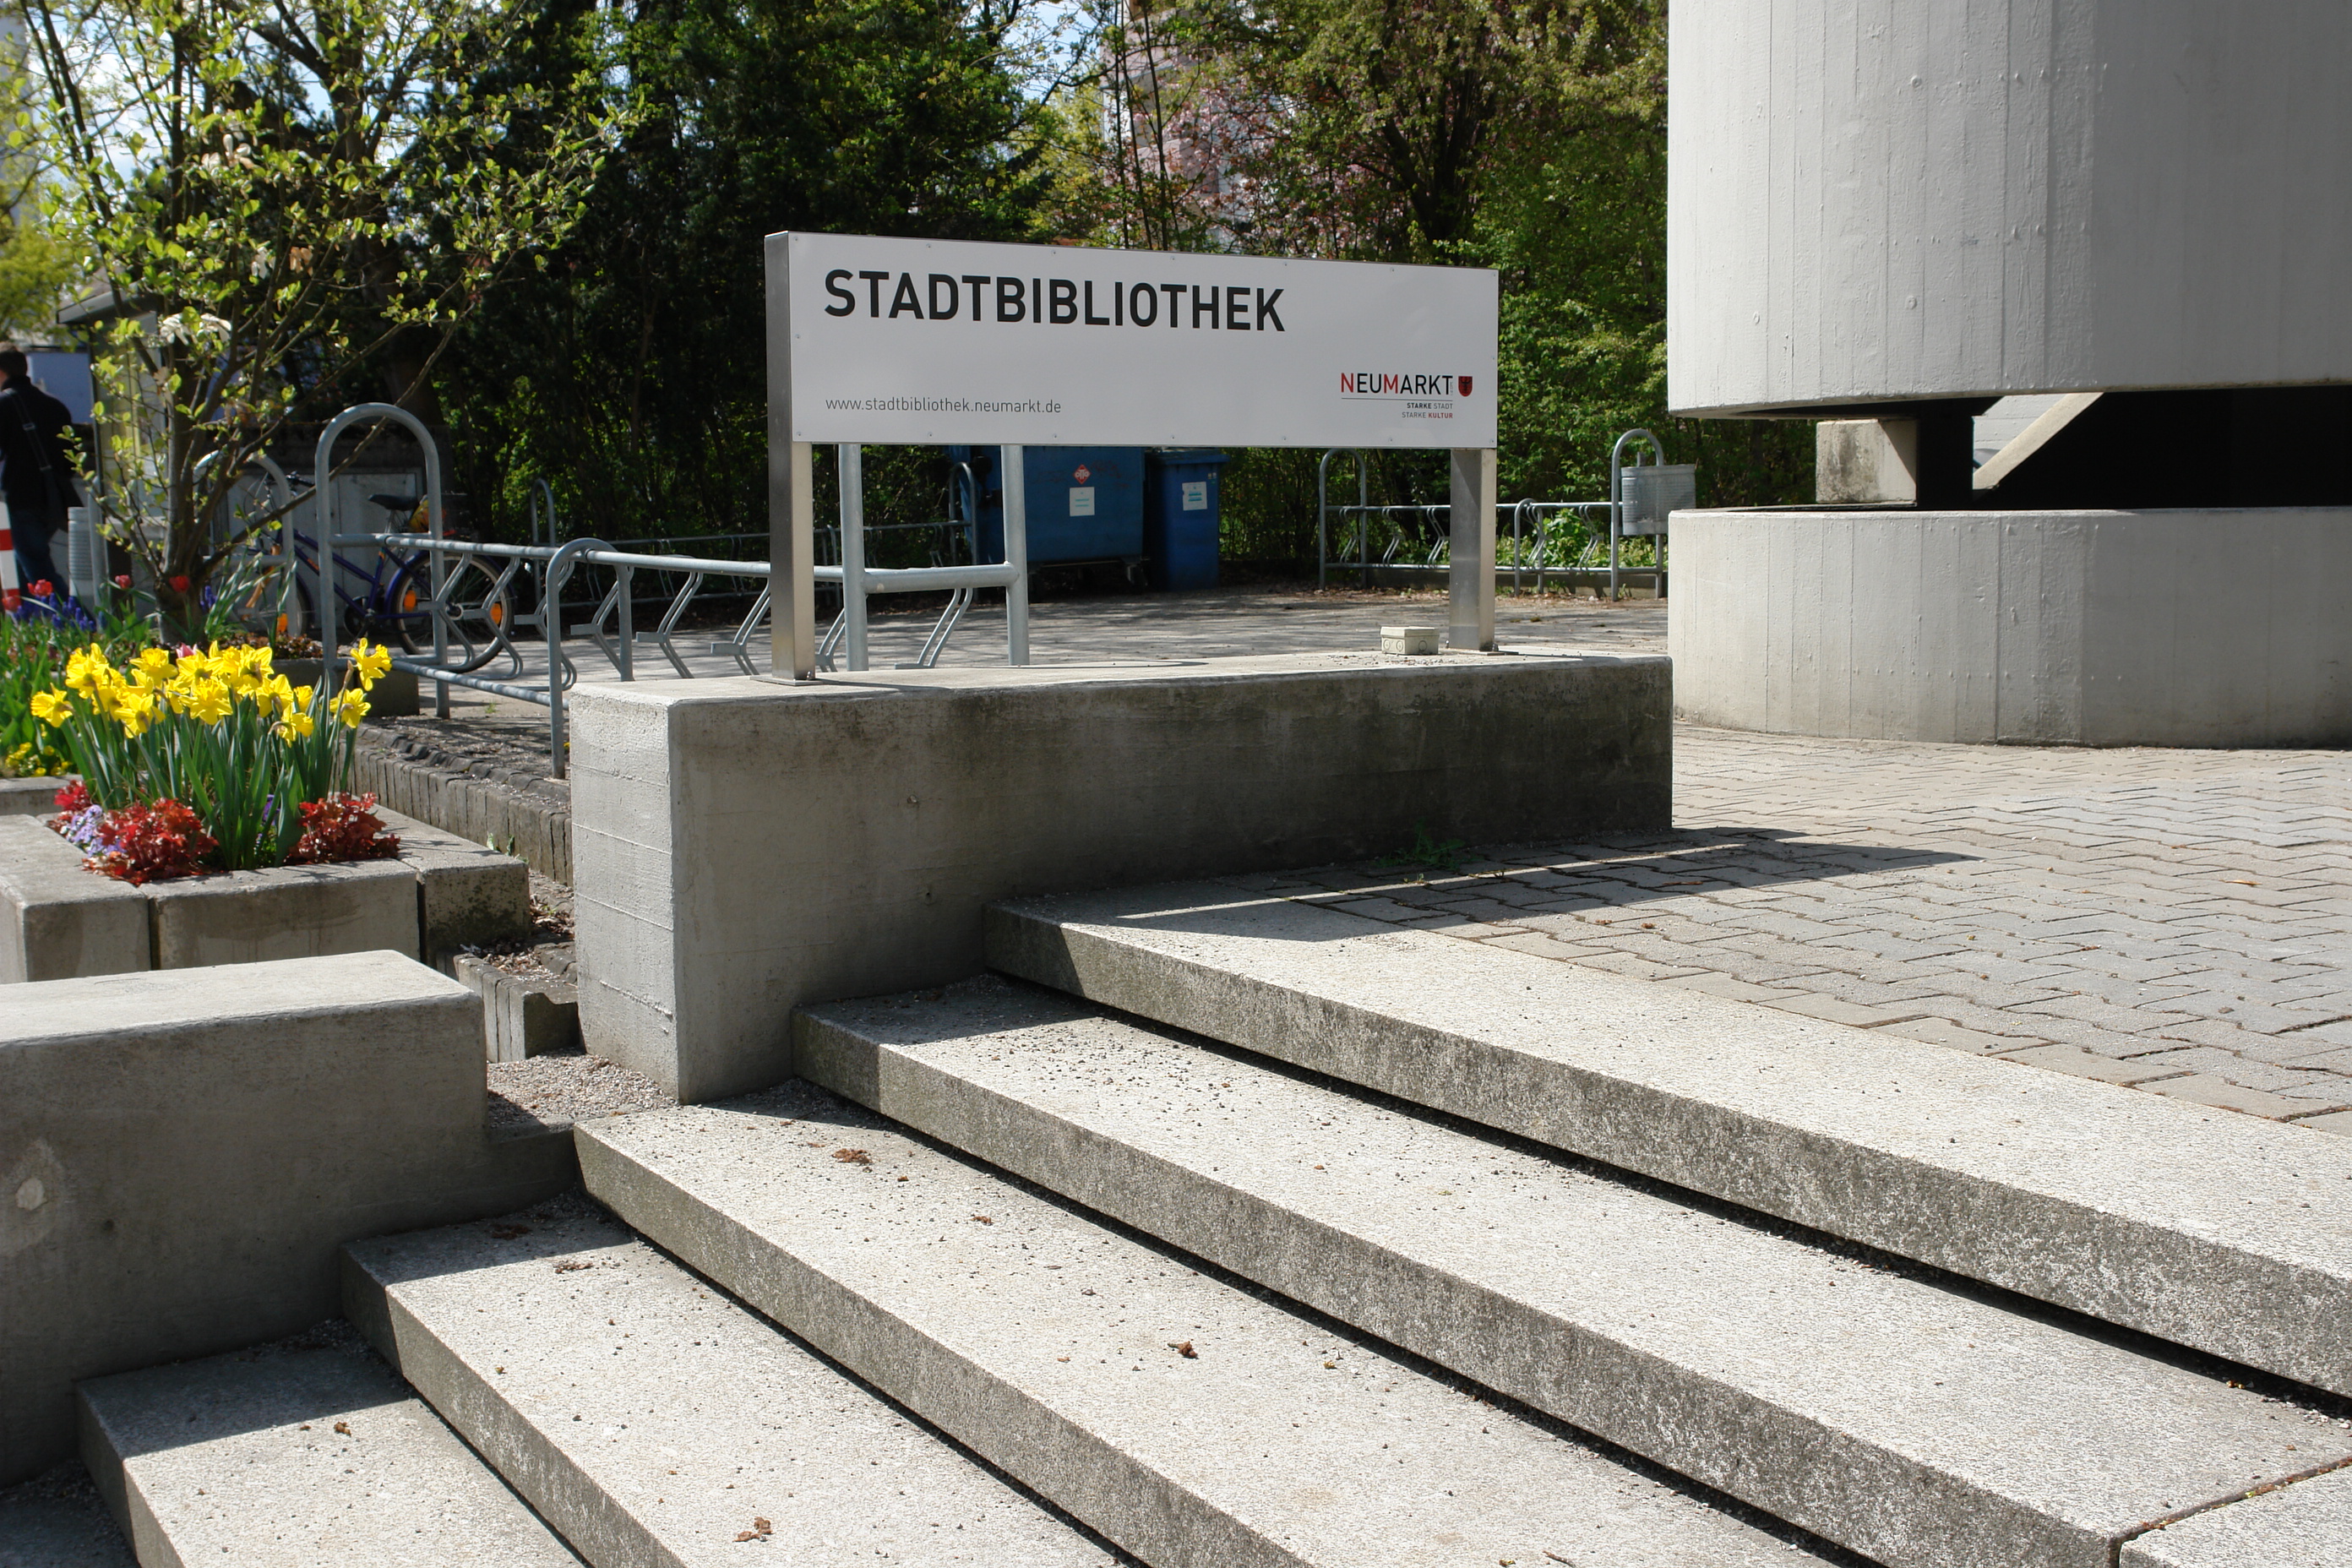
(1906, 217)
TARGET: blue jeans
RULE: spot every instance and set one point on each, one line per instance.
(33, 525)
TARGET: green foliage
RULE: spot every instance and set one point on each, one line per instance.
(283, 194)
(630, 373)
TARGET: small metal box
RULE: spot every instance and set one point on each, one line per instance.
(1655, 490)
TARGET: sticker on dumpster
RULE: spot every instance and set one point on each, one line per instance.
(1082, 500)
(1196, 495)
(1082, 474)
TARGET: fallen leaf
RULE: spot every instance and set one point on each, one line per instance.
(1185, 1348)
(344, 1427)
(749, 1535)
(853, 1156)
(983, 1219)
(508, 1232)
(570, 1264)
(763, 1526)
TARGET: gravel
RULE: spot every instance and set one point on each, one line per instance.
(565, 1087)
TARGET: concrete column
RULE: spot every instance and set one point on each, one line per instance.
(792, 500)
(1470, 585)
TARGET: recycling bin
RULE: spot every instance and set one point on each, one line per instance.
(1181, 516)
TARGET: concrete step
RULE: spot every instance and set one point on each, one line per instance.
(1877, 1406)
(654, 1421)
(2221, 1232)
(293, 1455)
(1197, 1424)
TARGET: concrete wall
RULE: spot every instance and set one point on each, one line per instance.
(1872, 199)
(2104, 628)
(181, 1154)
(746, 846)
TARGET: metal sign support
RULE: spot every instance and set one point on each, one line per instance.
(1470, 555)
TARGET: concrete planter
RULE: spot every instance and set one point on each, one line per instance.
(60, 921)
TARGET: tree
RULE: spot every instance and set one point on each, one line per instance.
(628, 376)
(284, 195)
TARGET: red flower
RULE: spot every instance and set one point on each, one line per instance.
(73, 797)
(179, 584)
(151, 842)
(42, 589)
(123, 581)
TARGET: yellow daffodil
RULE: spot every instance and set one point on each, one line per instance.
(296, 725)
(81, 670)
(52, 708)
(350, 707)
(210, 702)
(369, 662)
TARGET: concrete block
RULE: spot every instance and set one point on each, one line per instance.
(522, 1017)
(290, 1457)
(699, 1418)
(1186, 1419)
(29, 797)
(2338, 1122)
(467, 895)
(706, 810)
(1870, 1406)
(2306, 1525)
(287, 912)
(57, 920)
(184, 1152)
(1413, 640)
(2225, 1233)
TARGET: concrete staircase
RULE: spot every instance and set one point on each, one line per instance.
(1413, 1253)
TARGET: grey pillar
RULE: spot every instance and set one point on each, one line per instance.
(792, 499)
(1470, 582)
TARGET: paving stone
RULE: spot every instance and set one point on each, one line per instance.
(2076, 1192)
(1875, 1408)
(1838, 1012)
(2338, 1122)
(2305, 1525)
(2205, 1088)
(1055, 1347)
(2077, 1062)
(1937, 1031)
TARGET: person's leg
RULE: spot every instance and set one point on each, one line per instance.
(34, 527)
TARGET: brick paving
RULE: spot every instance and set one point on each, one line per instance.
(2172, 921)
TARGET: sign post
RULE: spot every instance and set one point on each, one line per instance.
(935, 342)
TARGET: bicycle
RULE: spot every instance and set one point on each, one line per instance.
(398, 607)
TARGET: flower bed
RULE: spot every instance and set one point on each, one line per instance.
(209, 760)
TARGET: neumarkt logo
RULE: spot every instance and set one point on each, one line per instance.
(1386, 383)
(1053, 301)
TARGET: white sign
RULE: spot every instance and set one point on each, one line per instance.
(926, 341)
(1196, 495)
(1082, 500)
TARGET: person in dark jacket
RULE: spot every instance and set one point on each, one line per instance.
(36, 469)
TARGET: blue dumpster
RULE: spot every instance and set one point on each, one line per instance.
(1085, 503)
(1181, 516)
